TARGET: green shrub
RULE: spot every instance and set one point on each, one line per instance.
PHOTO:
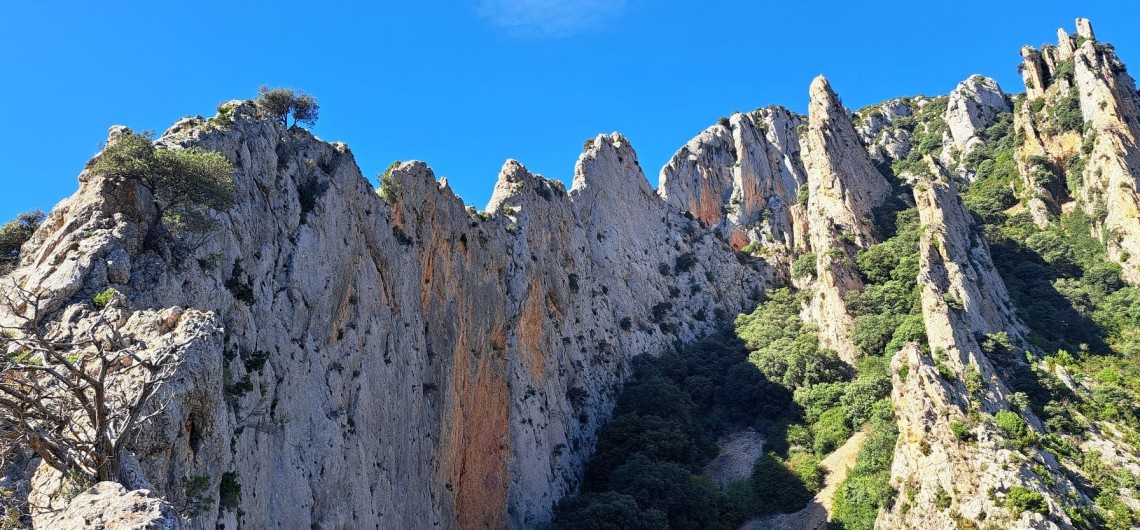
(389, 188)
(1014, 427)
(197, 495)
(804, 266)
(806, 466)
(14, 234)
(225, 115)
(1067, 113)
(867, 488)
(1021, 499)
(961, 430)
(912, 329)
(872, 333)
(942, 499)
(684, 262)
(817, 399)
(229, 492)
(953, 302)
(687, 500)
(784, 348)
(776, 487)
(183, 183)
(861, 396)
(103, 298)
(831, 431)
(605, 510)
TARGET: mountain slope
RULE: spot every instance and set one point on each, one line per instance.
(959, 279)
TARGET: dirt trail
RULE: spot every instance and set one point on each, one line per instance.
(816, 514)
(738, 453)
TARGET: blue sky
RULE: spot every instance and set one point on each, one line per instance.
(464, 85)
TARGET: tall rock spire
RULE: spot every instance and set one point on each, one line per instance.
(844, 188)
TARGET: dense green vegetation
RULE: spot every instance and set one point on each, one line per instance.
(867, 488)
(14, 234)
(666, 422)
(1081, 314)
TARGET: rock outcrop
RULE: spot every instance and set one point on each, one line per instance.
(875, 128)
(110, 505)
(973, 105)
(951, 460)
(391, 364)
(1085, 82)
(742, 177)
(1110, 107)
(843, 190)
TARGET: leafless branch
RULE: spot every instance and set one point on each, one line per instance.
(76, 401)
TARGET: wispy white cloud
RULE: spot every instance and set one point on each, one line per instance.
(549, 18)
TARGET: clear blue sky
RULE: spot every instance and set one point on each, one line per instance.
(465, 85)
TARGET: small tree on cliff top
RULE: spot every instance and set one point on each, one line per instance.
(182, 182)
(283, 102)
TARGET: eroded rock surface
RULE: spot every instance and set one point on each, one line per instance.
(954, 385)
(742, 177)
(974, 105)
(844, 188)
(399, 363)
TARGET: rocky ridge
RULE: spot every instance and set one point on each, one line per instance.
(403, 360)
(843, 190)
(936, 391)
(973, 105)
(392, 364)
(1083, 80)
(742, 177)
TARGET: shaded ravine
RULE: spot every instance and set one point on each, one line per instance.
(817, 513)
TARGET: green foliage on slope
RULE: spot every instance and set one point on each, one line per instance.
(667, 419)
(183, 183)
(14, 234)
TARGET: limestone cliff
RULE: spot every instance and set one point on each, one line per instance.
(843, 190)
(1109, 105)
(973, 105)
(399, 363)
(395, 359)
(943, 475)
(1088, 127)
(742, 176)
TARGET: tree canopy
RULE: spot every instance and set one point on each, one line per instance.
(14, 234)
(182, 182)
(284, 102)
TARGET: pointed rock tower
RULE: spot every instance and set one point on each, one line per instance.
(843, 190)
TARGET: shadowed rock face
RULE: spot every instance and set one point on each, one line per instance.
(395, 364)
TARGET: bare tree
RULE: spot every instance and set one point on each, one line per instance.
(75, 402)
